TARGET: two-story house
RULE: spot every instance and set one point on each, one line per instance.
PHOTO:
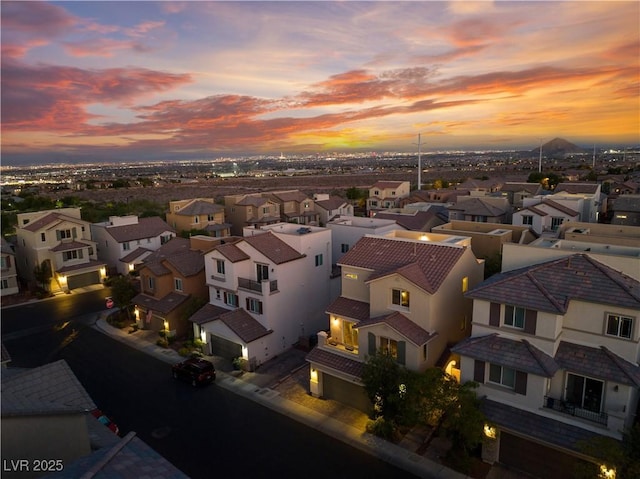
(516, 192)
(401, 293)
(250, 210)
(267, 291)
(555, 350)
(481, 209)
(124, 241)
(330, 207)
(59, 243)
(544, 215)
(198, 214)
(169, 277)
(8, 271)
(386, 194)
(295, 207)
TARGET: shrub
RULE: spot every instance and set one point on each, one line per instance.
(184, 351)
(163, 343)
(381, 427)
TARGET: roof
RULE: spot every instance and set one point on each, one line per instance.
(48, 219)
(69, 245)
(417, 221)
(164, 305)
(535, 426)
(333, 203)
(88, 265)
(207, 313)
(273, 248)
(337, 362)
(387, 184)
(145, 228)
(535, 210)
(251, 200)
(244, 325)
(597, 362)
(531, 188)
(479, 206)
(128, 457)
(559, 207)
(403, 325)
(349, 308)
(5, 246)
(217, 226)
(629, 203)
(52, 388)
(577, 188)
(199, 207)
(295, 195)
(520, 355)
(550, 286)
(135, 254)
(425, 264)
(179, 255)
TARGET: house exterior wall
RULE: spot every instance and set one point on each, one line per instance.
(618, 235)
(347, 230)
(8, 275)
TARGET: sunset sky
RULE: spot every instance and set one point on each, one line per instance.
(96, 81)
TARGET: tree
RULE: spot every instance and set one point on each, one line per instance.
(122, 292)
(623, 456)
(42, 273)
(385, 383)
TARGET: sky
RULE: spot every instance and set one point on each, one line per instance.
(141, 81)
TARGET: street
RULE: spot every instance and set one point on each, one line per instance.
(205, 431)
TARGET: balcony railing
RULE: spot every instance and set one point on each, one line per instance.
(332, 342)
(256, 286)
(570, 409)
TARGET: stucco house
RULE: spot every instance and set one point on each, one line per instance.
(386, 194)
(251, 210)
(198, 214)
(330, 207)
(544, 216)
(60, 241)
(555, 349)
(267, 291)
(123, 242)
(8, 271)
(482, 209)
(516, 192)
(401, 293)
(295, 207)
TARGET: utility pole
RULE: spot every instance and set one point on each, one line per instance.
(419, 164)
(540, 158)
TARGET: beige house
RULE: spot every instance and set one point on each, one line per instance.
(295, 207)
(198, 214)
(8, 272)
(619, 235)
(481, 209)
(61, 241)
(401, 293)
(386, 194)
(250, 210)
(555, 349)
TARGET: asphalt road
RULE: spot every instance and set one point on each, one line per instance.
(205, 432)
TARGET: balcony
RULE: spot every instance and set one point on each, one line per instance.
(569, 409)
(258, 286)
(347, 348)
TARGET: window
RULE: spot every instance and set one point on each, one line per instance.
(400, 297)
(126, 246)
(514, 316)
(254, 305)
(621, 326)
(90, 250)
(306, 205)
(584, 392)
(556, 221)
(465, 284)
(319, 260)
(196, 219)
(376, 192)
(389, 346)
(220, 266)
(43, 237)
(265, 211)
(151, 281)
(217, 294)
(177, 283)
(351, 276)
(69, 255)
(502, 376)
(63, 234)
(424, 352)
(344, 247)
(165, 239)
(349, 334)
(211, 217)
(4, 284)
(5, 262)
(148, 240)
(231, 299)
(262, 272)
(480, 219)
(527, 220)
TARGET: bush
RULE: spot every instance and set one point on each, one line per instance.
(184, 351)
(163, 343)
(381, 427)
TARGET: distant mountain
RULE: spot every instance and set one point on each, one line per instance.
(558, 148)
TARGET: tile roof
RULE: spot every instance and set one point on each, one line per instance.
(273, 248)
(337, 362)
(478, 206)
(207, 313)
(386, 184)
(252, 201)
(52, 388)
(5, 246)
(46, 220)
(550, 286)
(179, 255)
(630, 203)
(188, 263)
(88, 265)
(244, 325)
(232, 252)
(218, 226)
(413, 222)
(599, 362)
(577, 188)
(349, 308)
(520, 355)
(530, 188)
(129, 457)
(560, 207)
(164, 305)
(333, 203)
(145, 228)
(199, 207)
(135, 254)
(532, 425)
(535, 210)
(403, 325)
(285, 196)
(69, 245)
(385, 256)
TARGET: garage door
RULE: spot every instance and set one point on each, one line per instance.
(534, 458)
(345, 392)
(84, 279)
(225, 348)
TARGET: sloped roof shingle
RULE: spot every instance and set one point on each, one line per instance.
(244, 325)
(349, 308)
(403, 325)
(145, 228)
(337, 362)
(199, 207)
(273, 248)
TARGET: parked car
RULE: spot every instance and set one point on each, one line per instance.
(197, 371)
(100, 416)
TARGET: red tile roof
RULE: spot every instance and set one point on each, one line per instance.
(232, 252)
(402, 325)
(48, 219)
(273, 248)
(349, 308)
(145, 228)
(244, 325)
(336, 362)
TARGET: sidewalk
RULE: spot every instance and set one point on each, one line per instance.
(279, 385)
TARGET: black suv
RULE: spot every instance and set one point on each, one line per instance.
(195, 370)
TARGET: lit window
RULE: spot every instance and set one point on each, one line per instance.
(400, 297)
(621, 326)
(351, 276)
(503, 376)
(465, 284)
(389, 346)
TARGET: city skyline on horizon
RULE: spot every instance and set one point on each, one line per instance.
(156, 81)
